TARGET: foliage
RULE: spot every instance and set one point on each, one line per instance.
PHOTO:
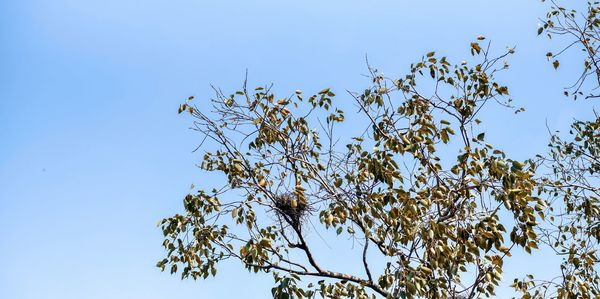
(572, 229)
(436, 211)
(442, 224)
(580, 30)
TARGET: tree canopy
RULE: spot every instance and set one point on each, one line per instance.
(434, 209)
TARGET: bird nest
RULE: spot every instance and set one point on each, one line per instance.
(293, 210)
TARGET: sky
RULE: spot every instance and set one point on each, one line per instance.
(93, 152)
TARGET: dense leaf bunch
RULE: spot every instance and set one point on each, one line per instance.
(440, 224)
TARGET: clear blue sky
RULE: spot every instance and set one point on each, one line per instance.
(93, 152)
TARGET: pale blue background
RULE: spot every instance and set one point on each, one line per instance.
(93, 153)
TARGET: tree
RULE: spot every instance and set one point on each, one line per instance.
(435, 209)
(435, 221)
(572, 229)
(580, 30)
(572, 190)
